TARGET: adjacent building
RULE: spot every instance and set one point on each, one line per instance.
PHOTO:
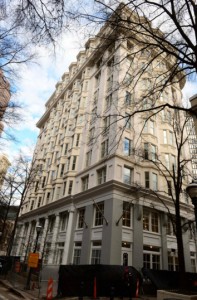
(96, 191)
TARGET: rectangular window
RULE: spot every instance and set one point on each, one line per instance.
(127, 175)
(153, 152)
(101, 175)
(65, 149)
(70, 187)
(91, 135)
(32, 205)
(127, 121)
(64, 188)
(39, 201)
(85, 181)
(155, 181)
(76, 256)
(173, 161)
(128, 98)
(169, 184)
(167, 161)
(43, 181)
(68, 164)
(81, 216)
(77, 140)
(48, 197)
(99, 213)
(147, 180)
(170, 227)
(173, 264)
(151, 257)
(171, 138)
(63, 221)
(128, 147)
(146, 150)
(108, 100)
(96, 253)
(74, 162)
(51, 224)
(150, 221)
(62, 170)
(165, 136)
(104, 149)
(106, 124)
(152, 127)
(126, 216)
(88, 158)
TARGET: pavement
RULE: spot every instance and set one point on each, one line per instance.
(16, 284)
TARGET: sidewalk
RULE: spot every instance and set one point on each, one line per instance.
(16, 284)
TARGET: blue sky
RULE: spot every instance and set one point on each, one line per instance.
(37, 83)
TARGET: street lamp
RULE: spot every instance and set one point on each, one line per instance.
(191, 189)
(38, 231)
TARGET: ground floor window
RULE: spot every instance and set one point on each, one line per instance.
(96, 253)
(193, 262)
(151, 257)
(173, 264)
(77, 253)
(59, 252)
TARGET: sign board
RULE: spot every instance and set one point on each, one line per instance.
(33, 260)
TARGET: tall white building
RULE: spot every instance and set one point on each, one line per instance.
(97, 191)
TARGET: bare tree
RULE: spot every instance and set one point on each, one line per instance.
(20, 178)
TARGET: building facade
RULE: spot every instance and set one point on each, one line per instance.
(4, 98)
(99, 195)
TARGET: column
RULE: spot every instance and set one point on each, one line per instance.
(164, 248)
(138, 236)
(26, 243)
(20, 240)
(68, 235)
(44, 235)
(54, 238)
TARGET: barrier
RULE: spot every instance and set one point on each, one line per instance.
(50, 289)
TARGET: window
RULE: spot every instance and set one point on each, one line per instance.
(63, 221)
(68, 164)
(64, 188)
(146, 146)
(155, 181)
(106, 124)
(127, 175)
(126, 216)
(128, 98)
(74, 162)
(88, 158)
(48, 197)
(101, 175)
(173, 264)
(77, 140)
(96, 253)
(99, 213)
(32, 205)
(153, 152)
(39, 201)
(167, 161)
(51, 224)
(147, 180)
(165, 136)
(81, 215)
(59, 251)
(62, 170)
(170, 227)
(171, 138)
(70, 187)
(108, 100)
(77, 253)
(151, 127)
(151, 257)
(43, 181)
(173, 161)
(36, 186)
(85, 181)
(127, 121)
(169, 185)
(104, 149)
(91, 135)
(128, 147)
(193, 262)
(150, 221)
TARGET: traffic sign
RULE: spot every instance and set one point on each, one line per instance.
(33, 260)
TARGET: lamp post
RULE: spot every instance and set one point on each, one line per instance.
(38, 231)
(191, 189)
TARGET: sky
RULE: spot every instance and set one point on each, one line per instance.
(37, 83)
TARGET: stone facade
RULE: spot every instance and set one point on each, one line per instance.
(96, 194)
